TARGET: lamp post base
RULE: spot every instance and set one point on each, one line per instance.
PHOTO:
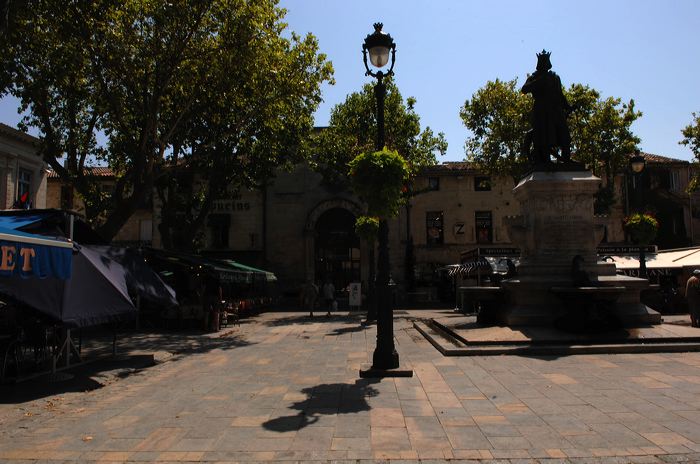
(385, 359)
(385, 355)
(370, 372)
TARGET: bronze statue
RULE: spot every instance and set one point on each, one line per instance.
(549, 128)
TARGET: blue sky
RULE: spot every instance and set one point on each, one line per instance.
(447, 49)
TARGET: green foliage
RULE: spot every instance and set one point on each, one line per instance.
(642, 228)
(601, 135)
(378, 178)
(691, 139)
(353, 129)
(497, 117)
(217, 87)
(366, 227)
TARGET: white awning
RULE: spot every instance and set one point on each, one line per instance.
(665, 259)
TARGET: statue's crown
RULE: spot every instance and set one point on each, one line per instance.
(543, 63)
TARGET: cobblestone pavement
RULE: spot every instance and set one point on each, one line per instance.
(284, 387)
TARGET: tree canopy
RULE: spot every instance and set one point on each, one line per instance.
(211, 89)
(691, 139)
(353, 130)
(497, 117)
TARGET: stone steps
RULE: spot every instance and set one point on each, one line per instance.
(451, 344)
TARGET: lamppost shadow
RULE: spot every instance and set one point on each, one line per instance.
(325, 399)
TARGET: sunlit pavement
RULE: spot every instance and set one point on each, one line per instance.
(285, 387)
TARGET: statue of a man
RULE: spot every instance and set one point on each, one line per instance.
(549, 128)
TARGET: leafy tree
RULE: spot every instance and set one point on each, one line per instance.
(211, 85)
(273, 86)
(601, 130)
(353, 130)
(497, 117)
(691, 139)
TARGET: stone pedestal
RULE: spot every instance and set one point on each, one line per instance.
(556, 224)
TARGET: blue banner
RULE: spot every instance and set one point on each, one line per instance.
(33, 260)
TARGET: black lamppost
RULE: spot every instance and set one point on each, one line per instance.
(637, 164)
(381, 49)
(379, 45)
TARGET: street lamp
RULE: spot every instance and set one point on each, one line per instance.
(379, 45)
(382, 49)
(637, 164)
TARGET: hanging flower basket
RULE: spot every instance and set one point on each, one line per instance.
(378, 178)
(642, 228)
(366, 228)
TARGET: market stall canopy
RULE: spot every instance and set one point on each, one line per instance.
(96, 292)
(141, 280)
(665, 259)
(478, 265)
(485, 260)
(28, 255)
(267, 275)
(50, 222)
(164, 261)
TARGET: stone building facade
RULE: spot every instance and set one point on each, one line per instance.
(456, 208)
(138, 230)
(22, 171)
(300, 227)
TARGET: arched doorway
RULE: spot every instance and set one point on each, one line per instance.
(336, 248)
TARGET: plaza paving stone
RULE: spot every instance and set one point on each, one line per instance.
(285, 387)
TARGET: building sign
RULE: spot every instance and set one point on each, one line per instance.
(12, 256)
(651, 272)
(499, 251)
(490, 251)
(236, 221)
(459, 228)
(230, 205)
(232, 202)
(625, 250)
(27, 260)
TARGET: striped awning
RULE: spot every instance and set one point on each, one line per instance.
(469, 268)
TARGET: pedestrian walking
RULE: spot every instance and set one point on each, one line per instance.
(328, 295)
(692, 295)
(309, 296)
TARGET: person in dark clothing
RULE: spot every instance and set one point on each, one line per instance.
(212, 295)
(692, 294)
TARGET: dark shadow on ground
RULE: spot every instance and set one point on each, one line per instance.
(177, 343)
(135, 351)
(305, 319)
(354, 319)
(347, 330)
(333, 398)
(81, 378)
